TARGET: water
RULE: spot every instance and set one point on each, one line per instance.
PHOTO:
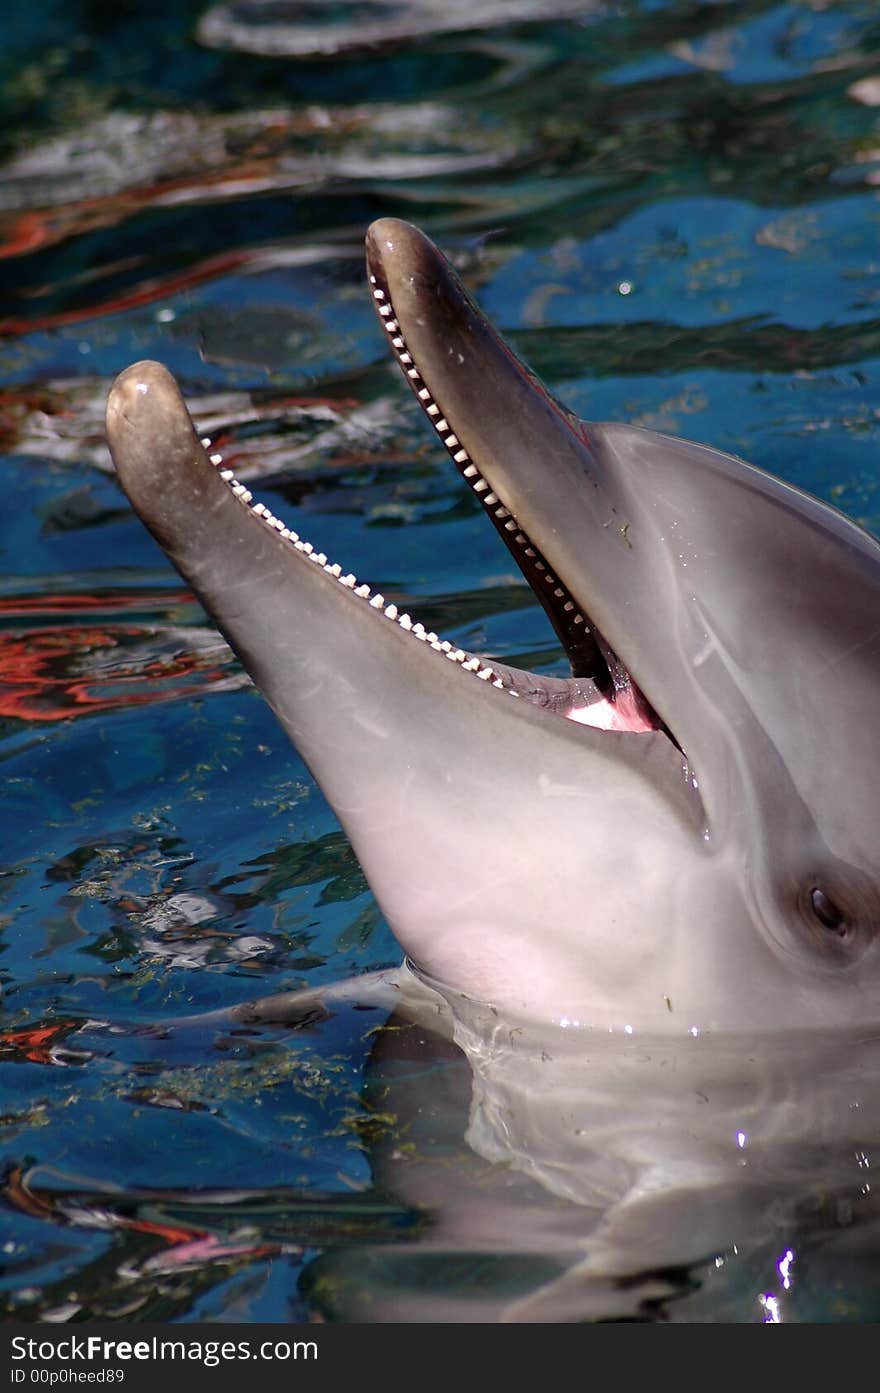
(671, 209)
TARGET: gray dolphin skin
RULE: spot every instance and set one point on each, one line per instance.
(684, 836)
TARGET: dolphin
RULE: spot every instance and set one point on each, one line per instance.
(681, 837)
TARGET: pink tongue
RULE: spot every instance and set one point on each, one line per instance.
(627, 712)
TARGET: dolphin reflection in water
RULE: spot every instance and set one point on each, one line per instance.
(643, 900)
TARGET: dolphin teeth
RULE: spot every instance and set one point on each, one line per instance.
(307, 548)
(259, 509)
(480, 486)
(215, 459)
(226, 474)
(349, 581)
(335, 569)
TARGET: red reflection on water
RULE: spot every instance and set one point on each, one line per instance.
(34, 1045)
(44, 672)
(260, 171)
(47, 1205)
(143, 294)
(189, 1245)
(37, 228)
(111, 601)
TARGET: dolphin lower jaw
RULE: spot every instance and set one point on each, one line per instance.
(611, 701)
(146, 394)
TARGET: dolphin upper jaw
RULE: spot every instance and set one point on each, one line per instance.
(572, 874)
(492, 414)
(569, 515)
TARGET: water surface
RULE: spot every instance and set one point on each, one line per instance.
(672, 211)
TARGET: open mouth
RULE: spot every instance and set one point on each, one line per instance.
(600, 692)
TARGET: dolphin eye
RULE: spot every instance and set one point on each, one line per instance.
(826, 911)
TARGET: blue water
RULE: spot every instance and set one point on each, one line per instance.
(672, 210)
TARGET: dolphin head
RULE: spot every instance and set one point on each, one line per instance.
(683, 834)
